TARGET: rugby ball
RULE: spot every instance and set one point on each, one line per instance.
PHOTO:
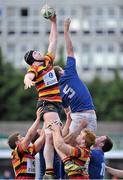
(47, 11)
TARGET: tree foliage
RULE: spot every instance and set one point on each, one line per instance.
(108, 98)
(61, 60)
(16, 103)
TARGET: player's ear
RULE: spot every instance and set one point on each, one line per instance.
(101, 144)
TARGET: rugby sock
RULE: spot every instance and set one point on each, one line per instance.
(49, 171)
(66, 159)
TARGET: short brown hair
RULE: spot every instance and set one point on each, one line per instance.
(90, 137)
(57, 69)
(108, 144)
(12, 140)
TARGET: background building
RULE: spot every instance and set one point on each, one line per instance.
(97, 29)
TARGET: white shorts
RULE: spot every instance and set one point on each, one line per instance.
(78, 116)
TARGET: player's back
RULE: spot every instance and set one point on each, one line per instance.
(96, 165)
(74, 91)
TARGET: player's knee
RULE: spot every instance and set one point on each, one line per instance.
(48, 137)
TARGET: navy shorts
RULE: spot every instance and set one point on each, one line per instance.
(49, 106)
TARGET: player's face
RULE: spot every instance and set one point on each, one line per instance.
(37, 55)
(81, 139)
(99, 139)
(20, 138)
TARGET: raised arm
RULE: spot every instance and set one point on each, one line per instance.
(68, 41)
(71, 137)
(32, 130)
(40, 141)
(65, 129)
(53, 36)
(58, 140)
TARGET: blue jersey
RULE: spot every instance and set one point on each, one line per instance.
(97, 164)
(74, 92)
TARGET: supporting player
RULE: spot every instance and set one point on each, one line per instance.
(23, 154)
(76, 158)
(97, 161)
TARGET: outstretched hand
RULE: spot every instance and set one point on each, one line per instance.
(29, 84)
(39, 112)
(67, 25)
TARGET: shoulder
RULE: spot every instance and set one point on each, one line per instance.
(96, 152)
(17, 151)
(31, 149)
(33, 68)
(49, 56)
(78, 151)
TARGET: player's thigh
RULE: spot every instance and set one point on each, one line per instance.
(50, 117)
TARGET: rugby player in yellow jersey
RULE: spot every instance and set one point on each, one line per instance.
(41, 75)
(23, 154)
(75, 158)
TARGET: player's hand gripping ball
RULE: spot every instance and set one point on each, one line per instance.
(47, 11)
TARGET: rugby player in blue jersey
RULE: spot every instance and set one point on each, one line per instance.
(97, 161)
(75, 94)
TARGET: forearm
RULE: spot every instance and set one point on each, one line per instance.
(79, 129)
(68, 42)
(115, 172)
(60, 153)
(31, 133)
(53, 33)
(57, 139)
(53, 38)
(65, 130)
(33, 129)
(71, 137)
(60, 145)
(83, 124)
(39, 142)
